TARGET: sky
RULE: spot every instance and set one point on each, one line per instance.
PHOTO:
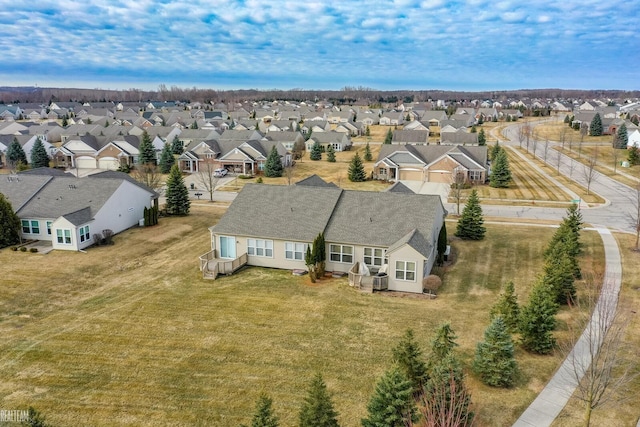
(473, 45)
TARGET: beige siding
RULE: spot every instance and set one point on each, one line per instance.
(411, 175)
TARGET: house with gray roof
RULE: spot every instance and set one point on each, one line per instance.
(393, 234)
(69, 211)
(431, 163)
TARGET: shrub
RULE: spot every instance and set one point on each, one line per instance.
(245, 176)
(14, 248)
(23, 249)
(33, 250)
(259, 180)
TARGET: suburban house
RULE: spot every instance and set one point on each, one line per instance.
(338, 140)
(393, 234)
(431, 163)
(70, 211)
(419, 137)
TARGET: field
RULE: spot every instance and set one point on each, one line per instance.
(131, 335)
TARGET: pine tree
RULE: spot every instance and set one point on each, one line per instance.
(367, 131)
(15, 154)
(634, 156)
(595, 127)
(495, 362)
(473, 129)
(39, 156)
(166, 159)
(331, 154)
(367, 153)
(493, 151)
(356, 169)
(443, 343)
(177, 194)
(442, 244)
(507, 308)
(568, 235)
(446, 395)
(147, 152)
(65, 121)
(317, 408)
(408, 356)
(537, 320)
(500, 172)
(622, 137)
(264, 416)
(9, 224)
(316, 151)
(558, 273)
(389, 137)
(482, 139)
(273, 166)
(177, 147)
(392, 403)
(470, 223)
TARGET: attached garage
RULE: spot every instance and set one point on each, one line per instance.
(109, 163)
(410, 175)
(85, 163)
(440, 176)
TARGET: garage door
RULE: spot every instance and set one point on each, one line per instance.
(440, 176)
(109, 163)
(411, 175)
(86, 163)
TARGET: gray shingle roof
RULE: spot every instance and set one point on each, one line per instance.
(315, 181)
(79, 217)
(18, 189)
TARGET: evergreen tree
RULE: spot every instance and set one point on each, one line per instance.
(567, 119)
(389, 137)
(331, 154)
(65, 121)
(473, 129)
(622, 137)
(317, 408)
(39, 156)
(177, 195)
(264, 416)
(568, 235)
(500, 172)
(558, 274)
(634, 156)
(319, 254)
(392, 403)
(408, 356)
(495, 362)
(595, 127)
(316, 151)
(507, 308)
(443, 343)
(356, 169)
(9, 224)
(273, 166)
(493, 152)
(166, 159)
(194, 125)
(470, 223)
(446, 394)
(177, 147)
(147, 152)
(537, 320)
(15, 154)
(367, 153)
(367, 131)
(482, 139)
(442, 244)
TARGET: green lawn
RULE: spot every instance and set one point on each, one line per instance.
(131, 335)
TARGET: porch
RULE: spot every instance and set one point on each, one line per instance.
(211, 266)
(366, 282)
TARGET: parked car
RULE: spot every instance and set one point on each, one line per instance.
(220, 172)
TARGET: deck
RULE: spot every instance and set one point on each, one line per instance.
(212, 266)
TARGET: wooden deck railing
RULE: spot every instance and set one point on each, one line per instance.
(369, 283)
(211, 266)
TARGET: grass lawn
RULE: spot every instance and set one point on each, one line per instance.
(132, 335)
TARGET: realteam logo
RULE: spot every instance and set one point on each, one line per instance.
(15, 416)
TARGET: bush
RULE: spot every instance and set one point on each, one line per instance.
(259, 180)
(245, 176)
(14, 248)
(33, 250)
(23, 249)
(124, 168)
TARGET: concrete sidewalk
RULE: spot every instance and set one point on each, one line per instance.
(553, 398)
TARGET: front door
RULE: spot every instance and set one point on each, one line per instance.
(227, 247)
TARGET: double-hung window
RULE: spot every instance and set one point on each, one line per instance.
(84, 233)
(341, 253)
(63, 236)
(374, 257)
(30, 226)
(406, 270)
(49, 227)
(259, 247)
(295, 251)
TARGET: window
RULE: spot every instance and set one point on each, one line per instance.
(49, 227)
(64, 236)
(30, 227)
(295, 251)
(84, 233)
(260, 247)
(227, 247)
(374, 257)
(475, 175)
(406, 270)
(341, 253)
(382, 171)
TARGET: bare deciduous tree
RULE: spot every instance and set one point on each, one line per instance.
(545, 149)
(149, 175)
(589, 172)
(446, 406)
(206, 177)
(457, 185)
(596, 350)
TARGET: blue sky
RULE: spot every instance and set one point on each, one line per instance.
(312, 44)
